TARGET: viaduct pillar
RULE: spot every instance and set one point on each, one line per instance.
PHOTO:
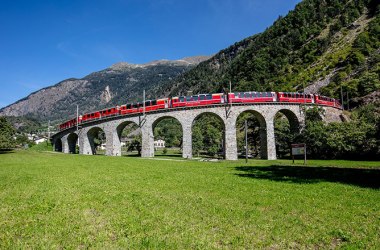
(147, 140)
(230, 139)
(187, 144)
(65, 145)
(270, 149)
(113, 145)
(86, 145)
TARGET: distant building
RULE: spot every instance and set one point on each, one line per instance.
(40, 140)
(159, 144)
(102, 146)
(32, 137)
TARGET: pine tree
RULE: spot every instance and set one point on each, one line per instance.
(6, 134)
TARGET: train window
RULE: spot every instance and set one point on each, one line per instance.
(147, 103)
(188, 98)
(202, 97)
(129, 106)
(154, 102)
(181, 99)
(246, 95)
(195, 98)
(208, 97)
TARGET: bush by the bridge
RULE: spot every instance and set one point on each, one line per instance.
(355, 139)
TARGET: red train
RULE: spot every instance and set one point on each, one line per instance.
(204, 100)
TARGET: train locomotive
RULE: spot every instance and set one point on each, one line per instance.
(203, 100)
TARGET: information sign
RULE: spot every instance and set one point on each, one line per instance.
(299, 149)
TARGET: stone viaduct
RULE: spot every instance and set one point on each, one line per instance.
(66, 140)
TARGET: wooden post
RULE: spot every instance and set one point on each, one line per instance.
(304, 162)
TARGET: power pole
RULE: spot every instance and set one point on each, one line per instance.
(246, 142)
(228, 95)
(49, 130)
(304, 96)
(77, 117)
(341, 94)
(144, 102)
(348, 102)
(48, 133)
(77, 127)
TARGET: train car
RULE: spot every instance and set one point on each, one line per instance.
(68, 124)
(327, 101)
(197, 100)
(152, 105)
(91, 116)
(130, 108)
(109, 112)
(251, 97)
(295, 97)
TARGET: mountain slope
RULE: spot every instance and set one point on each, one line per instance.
(322, 45)
(120, 83)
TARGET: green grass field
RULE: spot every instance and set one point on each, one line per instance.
(53, 200)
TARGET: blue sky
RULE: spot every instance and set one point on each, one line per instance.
(44, 42)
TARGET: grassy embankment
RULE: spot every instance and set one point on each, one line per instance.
(52, 200)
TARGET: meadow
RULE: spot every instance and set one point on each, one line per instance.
(53, 200)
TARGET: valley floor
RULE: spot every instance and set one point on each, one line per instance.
(75, 201)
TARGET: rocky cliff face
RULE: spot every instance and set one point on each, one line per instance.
(118, 84)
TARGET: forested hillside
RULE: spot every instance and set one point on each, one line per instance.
(321, 45)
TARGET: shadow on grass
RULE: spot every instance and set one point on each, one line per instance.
(169, 155)
(6, 151)
(131, 155)
(368, 178)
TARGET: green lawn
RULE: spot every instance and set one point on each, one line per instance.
(53, 200)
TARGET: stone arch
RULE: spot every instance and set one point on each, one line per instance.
(161, 118)
(286, 128)
(58, 145)
(119, 131)
(262, 130)
(292, 118)
(72, 140)
(222, 122)
(91, 135)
